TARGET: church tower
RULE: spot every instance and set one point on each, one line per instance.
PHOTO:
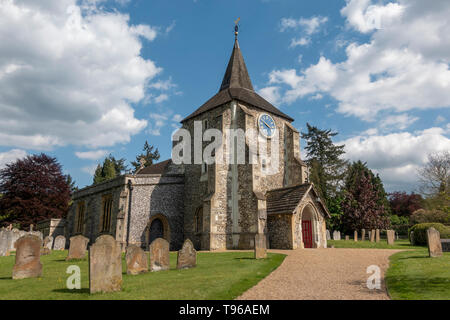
(225, 202)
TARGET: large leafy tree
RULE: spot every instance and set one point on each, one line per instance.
(149, 155)
(404, 204)
(110, 169)
(34, 189)
(363, 204)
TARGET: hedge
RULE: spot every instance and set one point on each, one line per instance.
(420, 232)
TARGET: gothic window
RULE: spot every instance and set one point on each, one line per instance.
(198, 220)
(107, 211)
(80, 217)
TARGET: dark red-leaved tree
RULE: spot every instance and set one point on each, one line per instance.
(361, 206)
(403, 204)
(33, 189)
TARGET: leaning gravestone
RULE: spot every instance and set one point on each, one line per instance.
(28, 264)
(105, 265)
(260, 246)
(377, 235)
(328, 235)
(137, 260)
(77, 248)
(60, 243)
(355, 236)
(445, 244)
(372, 235)
(159, 255)
(363, 234)
(187, 256)
(336, 235)
(48, 242)
(434, 243)
(390, 237)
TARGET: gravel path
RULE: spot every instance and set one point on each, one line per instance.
(323, 274)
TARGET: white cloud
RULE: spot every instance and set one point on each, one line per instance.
(397, 156)
(69, 72)
(404, 66)
(308, 26)
(303, 41)
(91, 155)
(11, 156)
(177, 118)
(401, 121)
(271, 94)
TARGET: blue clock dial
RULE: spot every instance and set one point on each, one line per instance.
(266, 125)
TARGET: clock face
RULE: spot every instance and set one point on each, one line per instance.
(266, 125)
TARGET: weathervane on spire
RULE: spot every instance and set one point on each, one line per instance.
(236, 27)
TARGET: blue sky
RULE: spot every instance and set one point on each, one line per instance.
(82, 79)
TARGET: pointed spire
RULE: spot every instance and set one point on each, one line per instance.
(236, 75)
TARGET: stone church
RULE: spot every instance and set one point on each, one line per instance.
(220, 205)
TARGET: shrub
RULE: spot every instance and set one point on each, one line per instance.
(426, 216)
(420, 232)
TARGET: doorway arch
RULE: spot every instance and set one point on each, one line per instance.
(309, 226)
(157, 227)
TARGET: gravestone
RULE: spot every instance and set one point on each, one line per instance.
(355, 236)
(60, 243)
(159, 255)
(13, 236)
(347, 238)
(363, 234)
(187, 256)
(411, 237)
(372, 235)
(336, 235)
(328, 235)
(390, 237)
(434, 243)
(137, 260)
(37, 234)
(260, 246)
(105, 265)
(28, 263)
(3, 242)
(445, 244)
(377, 235)
(48, 242)
(77, 248)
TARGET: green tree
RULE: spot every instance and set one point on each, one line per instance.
(147, 157)
(110, 169)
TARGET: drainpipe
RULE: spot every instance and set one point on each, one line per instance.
(130, 187)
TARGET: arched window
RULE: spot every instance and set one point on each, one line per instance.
(80, 217)
(107, 211)
(198, 220)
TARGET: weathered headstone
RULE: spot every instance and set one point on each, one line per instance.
(390, 237)
(105, 265)
(363, 234)
(445, 244)
(48, 242)
(77, 248)
(372, 235)
(159, 255)
(187, 256)
(260, 246)
(347, 238)
(59, 243)
(377, 235)
(336, 235)
(137, 260)
(3, 242)
(28, 263)
(13, 236)
(434, 243)
(355, 236)
(411, 236)
(328, 235)
(31, 227)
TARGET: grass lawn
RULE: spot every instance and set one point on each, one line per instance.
(412, 275)
(399, 244)
(223, 275)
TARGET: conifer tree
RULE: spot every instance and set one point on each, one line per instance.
(149, 156)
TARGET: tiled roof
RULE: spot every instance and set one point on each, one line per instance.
(157, 168)
(285, 200)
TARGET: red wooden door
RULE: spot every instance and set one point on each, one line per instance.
(307, 233)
